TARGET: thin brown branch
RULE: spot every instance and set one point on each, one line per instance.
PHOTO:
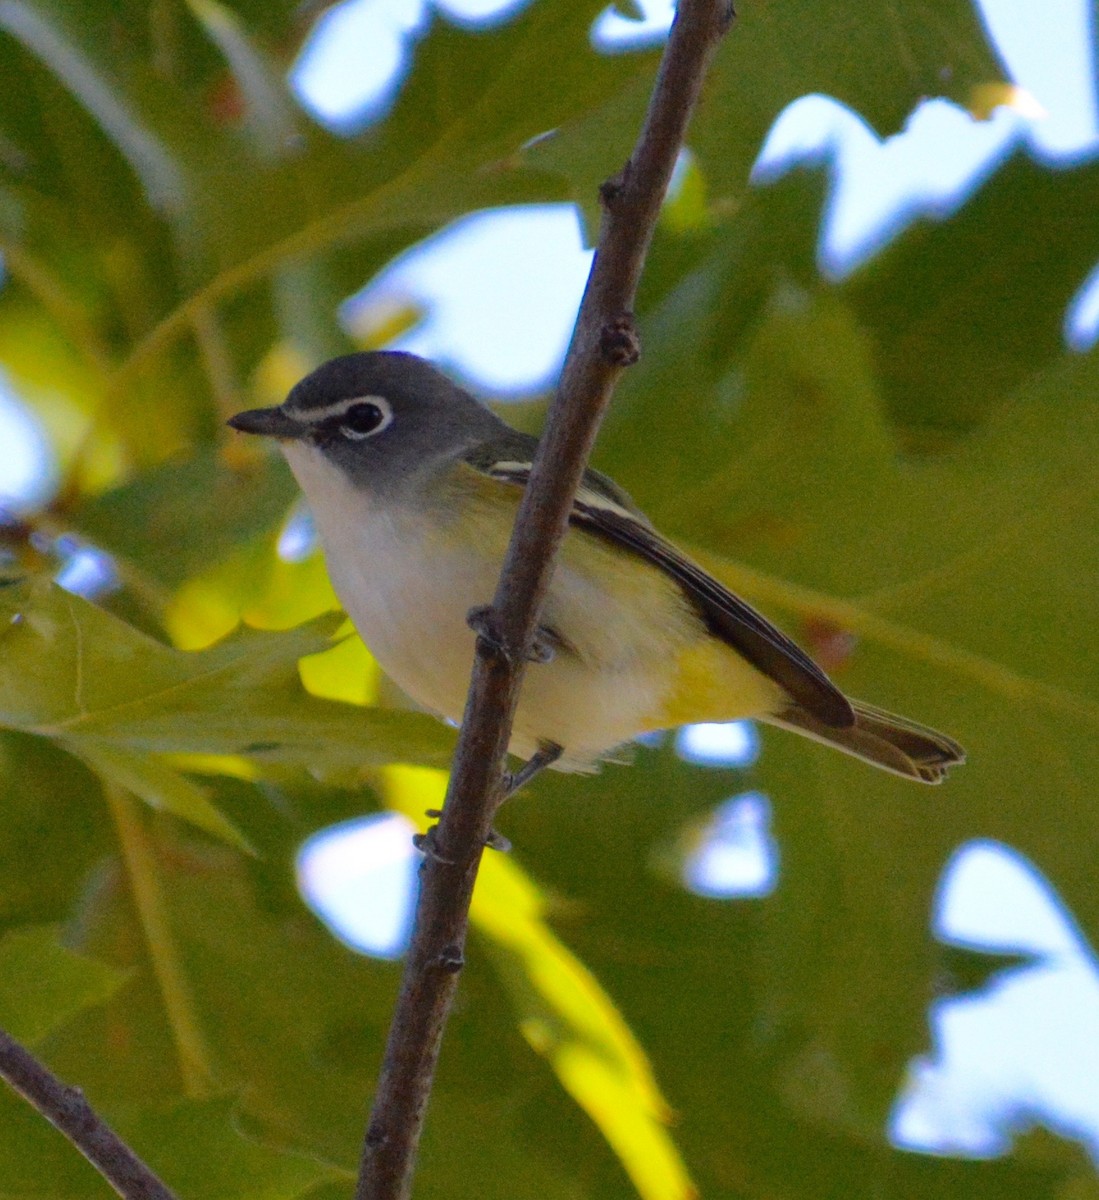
(604, 342)
(66, 1108)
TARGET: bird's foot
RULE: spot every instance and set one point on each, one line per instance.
(426, 841)
(497, 841)
(483, 621)
(544, 647)
(428, 845)
(546, 755)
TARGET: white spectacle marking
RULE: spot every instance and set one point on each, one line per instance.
(337, 408)
(383, 406)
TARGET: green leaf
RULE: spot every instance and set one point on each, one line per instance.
(43, 984)
(946, 585)
(43, 29)
(151, 779)
(876, 59)
(51, 831)
(151, 520)
(269, 112)
(201, 1151)
(97, 679)
(77, 675)
(987, 289)
(293, 1025)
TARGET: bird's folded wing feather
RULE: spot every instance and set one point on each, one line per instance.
(603, 509)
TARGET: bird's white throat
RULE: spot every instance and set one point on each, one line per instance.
(406, 591)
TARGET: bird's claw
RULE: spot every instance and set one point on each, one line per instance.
(546, 754)
(428, 845)
(482, 619)
(543, 649)
(497, 841)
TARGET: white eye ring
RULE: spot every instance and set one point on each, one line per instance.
(366, 424)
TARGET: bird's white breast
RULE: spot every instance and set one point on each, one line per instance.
(406, 596)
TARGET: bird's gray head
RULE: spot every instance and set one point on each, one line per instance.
(382, 419)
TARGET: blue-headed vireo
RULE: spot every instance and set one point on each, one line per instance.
(414, 487)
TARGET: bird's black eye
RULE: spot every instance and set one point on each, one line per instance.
(365, 418)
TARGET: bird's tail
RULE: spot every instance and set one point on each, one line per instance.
(878, 737)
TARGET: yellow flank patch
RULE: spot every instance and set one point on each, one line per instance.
(714, 683)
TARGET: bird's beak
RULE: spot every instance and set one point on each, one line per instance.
(270, 422)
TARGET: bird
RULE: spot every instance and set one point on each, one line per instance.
(414, 485)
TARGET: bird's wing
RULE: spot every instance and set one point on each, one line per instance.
(605, 510)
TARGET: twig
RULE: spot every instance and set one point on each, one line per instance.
(604, 342)
(66, 1108)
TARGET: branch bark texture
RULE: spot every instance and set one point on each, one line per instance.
(66, 1109)
(604, 342)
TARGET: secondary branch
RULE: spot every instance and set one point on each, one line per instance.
(604, 342)
(66, 1108)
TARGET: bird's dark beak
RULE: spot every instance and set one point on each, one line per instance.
(270, 422)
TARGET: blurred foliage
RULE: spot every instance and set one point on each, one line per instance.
(900, 466)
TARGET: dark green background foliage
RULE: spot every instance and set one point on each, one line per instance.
(907, 457)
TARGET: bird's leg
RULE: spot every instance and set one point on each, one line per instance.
(425, 842)
(482, 620)
(497, 841)
(546, 755)
(543, 649)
